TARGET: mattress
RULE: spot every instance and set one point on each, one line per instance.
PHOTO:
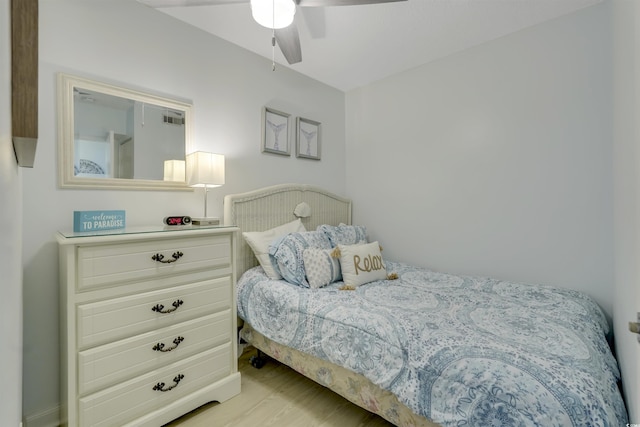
(457, 350)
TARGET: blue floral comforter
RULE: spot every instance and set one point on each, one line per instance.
(460, 351)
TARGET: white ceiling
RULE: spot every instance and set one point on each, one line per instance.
(351, 46)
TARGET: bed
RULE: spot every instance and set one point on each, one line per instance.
(415, 346)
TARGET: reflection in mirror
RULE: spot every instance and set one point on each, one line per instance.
(111, 137)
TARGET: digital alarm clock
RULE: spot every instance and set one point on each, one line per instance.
(177, 220)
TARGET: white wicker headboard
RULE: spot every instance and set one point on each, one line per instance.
(265, 208)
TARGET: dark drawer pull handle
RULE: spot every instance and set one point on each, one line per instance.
(160, 258)
(160, 308)
(160, 345)
(160, 386)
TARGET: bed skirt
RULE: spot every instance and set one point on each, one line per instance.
(352, 386)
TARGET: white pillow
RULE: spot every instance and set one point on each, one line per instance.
(320, 267)
(259, 242)
(361, 264)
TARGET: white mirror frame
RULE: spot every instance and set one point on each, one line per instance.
(66, 177)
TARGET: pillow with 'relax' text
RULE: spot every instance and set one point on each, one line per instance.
(361, 264)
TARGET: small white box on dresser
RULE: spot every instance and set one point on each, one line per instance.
(148, 324)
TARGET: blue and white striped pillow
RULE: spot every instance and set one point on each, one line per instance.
(345, 234)
(288, 254)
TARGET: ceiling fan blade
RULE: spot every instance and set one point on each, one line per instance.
(289, 43)
(322, 3)
(182, 3)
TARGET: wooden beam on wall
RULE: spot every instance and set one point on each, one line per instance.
(24, 79)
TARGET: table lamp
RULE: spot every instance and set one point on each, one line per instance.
(205, 170)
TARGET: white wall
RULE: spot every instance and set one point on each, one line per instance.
(626, 107)
(499, 161)
(495, 161)
(10, 243)
(124, 41)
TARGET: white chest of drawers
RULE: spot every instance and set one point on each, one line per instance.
(148, 324)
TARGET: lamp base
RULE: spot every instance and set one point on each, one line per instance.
(205, 221)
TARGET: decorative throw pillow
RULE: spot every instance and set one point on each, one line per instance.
(361, 263)
(259, 242)
(320, 267)
(345, 234)
(288, 254)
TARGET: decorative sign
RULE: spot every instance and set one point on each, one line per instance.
(98, 220)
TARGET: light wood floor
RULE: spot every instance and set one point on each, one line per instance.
(278, 396)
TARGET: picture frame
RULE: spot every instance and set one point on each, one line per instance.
(308, 137)
(275, 132)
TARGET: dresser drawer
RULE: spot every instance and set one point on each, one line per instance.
(113, 363)
(137, 397)
(114, 319)
(108, 264)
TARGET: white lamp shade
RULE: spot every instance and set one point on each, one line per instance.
(263, 12)
(205, 169)
(174, 170)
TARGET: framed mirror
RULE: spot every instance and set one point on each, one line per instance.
(111, 137)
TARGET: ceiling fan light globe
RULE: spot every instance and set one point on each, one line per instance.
(263, 13)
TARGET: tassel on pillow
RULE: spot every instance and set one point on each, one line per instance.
(335, 253)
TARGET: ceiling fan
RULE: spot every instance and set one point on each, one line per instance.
(274, 14)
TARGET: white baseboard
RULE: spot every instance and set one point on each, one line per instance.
(47, 418)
